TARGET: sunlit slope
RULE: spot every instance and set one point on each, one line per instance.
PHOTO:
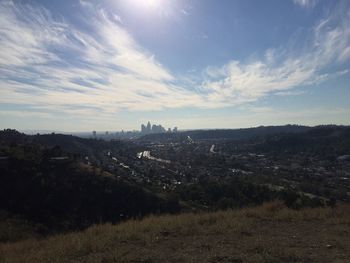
(270, 233)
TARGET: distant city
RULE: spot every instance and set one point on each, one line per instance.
(147, 129)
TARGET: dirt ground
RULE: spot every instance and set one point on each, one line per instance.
(264, 242)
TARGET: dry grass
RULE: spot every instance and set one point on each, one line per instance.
(270, 233)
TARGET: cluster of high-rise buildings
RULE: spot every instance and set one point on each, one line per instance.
(147, 129)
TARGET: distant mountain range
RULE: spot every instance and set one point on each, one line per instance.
(233, 134)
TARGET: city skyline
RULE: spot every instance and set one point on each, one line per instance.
(86, 65)
(155, 128)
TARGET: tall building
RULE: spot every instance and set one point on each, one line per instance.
(148, 130)
(158, 128)
(143, 128)
(152, 128)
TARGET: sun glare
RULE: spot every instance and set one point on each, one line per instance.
(151, 4)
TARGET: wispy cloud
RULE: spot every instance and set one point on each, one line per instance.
(50, 64)
(306, 3)
(283, 69)
(184, 12)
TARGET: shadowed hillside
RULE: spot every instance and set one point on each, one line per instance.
(231, 134)
(44, 190)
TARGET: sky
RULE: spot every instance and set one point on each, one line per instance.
(83, 65)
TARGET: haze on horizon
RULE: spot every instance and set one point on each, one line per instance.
(88, 65)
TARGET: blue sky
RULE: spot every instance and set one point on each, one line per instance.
(73, 65)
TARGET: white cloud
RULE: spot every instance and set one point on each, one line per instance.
(306, 3)
(186, 13)
(281, 70)
(51, 65)
(105, 67)
(290, 93)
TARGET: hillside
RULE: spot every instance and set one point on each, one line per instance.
(269, 233)
(229, 134)
(47, 190)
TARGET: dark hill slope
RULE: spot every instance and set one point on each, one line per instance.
(231, 134)
(68, 143)
(53, 189)
(249, 133)
(322, 140)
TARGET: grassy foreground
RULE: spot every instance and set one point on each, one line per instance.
(269, 233)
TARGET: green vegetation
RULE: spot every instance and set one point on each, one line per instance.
(237, 193)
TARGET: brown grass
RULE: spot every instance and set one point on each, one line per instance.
(269, 233)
